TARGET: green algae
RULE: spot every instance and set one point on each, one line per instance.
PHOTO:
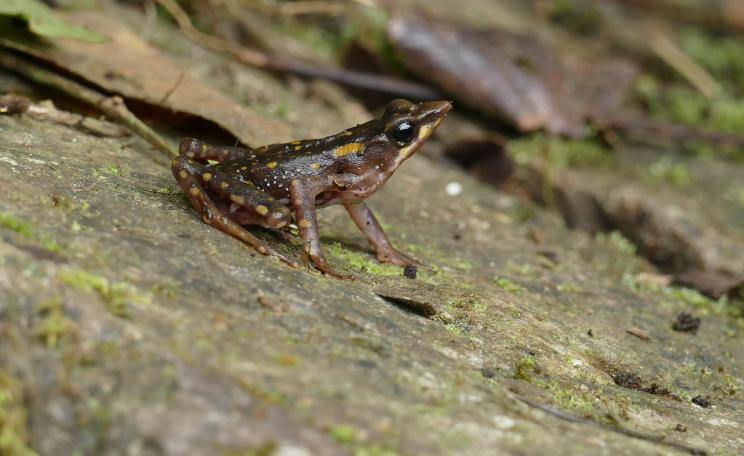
(524, 369)
(616, 241)
(118, 296)
(561, 152)
(362, 262)
(508, 285)
(343, 433)
(54, 327)
(13, 418)
(667, 170)
(23, 228)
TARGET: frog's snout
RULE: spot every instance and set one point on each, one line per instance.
(433, 111)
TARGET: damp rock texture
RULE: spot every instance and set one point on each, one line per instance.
(128, 326)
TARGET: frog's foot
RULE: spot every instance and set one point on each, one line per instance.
(321, 264)
(368, 224)
(188, 173)
(392, 256)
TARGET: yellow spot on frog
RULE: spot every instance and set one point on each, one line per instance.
(206, 176)
(243, 168)
(224, 185)
(315, 166)
(347, 149)
(271, 164)
(296, 143)
(237, 199)
(348, 133)
(262, 210)
(304, 223)
(194, 191)
(204, 147)
(183, 174)
(298, 147)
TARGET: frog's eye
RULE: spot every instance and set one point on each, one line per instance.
(404, 132)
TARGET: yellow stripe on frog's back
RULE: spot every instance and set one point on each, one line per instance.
(348, 148)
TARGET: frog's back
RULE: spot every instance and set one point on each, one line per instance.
(280, 153)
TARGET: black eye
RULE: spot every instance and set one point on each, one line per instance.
(404, 132)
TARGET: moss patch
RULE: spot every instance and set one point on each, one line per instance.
(13, 418)
(561, 152)
(53, 327)
(118, 296)
(508, 285)
(23, 228)
(362, 262)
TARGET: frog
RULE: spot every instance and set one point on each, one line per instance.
(280, 186)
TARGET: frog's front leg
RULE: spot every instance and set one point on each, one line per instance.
(192, 177)
(302, 193)
(367, 223)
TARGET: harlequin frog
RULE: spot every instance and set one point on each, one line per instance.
(275, 185)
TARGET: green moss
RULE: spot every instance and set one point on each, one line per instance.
(676, 101)
(525, 368)
(53, 327)
(740, 196)
(117, 296)
(667, 170)
(22, 227)
(569, 399)
(719, 54)
(112, 170)
(681, 298)
(10, 222)
(568, 287)
(13, 418)
(561, 152)
(374, 450)
(507, 285)
(265, 449)
(617, 241)
(362, 262)
(343, 433)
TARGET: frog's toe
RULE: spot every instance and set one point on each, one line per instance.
(396, 258)
(339, 275)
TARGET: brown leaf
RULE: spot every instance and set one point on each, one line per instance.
(129, 66)
(513, 77)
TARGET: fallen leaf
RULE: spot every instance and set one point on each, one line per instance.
(513, 77)
(132, 68)
(44, 22)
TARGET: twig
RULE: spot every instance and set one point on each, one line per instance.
(327, 7)
(669, 52)
(671, 131)
(627, 432)
(259, 59)
(113, 106)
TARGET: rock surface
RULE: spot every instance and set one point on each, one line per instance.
(130, 327)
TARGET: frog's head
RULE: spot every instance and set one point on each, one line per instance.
(407, 125)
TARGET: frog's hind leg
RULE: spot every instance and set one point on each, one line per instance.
(199, 150)
(188, 174)
(367, 223)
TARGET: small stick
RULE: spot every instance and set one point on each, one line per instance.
(669, 52)
(113, 106)
(670, 131)
(259, 59)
